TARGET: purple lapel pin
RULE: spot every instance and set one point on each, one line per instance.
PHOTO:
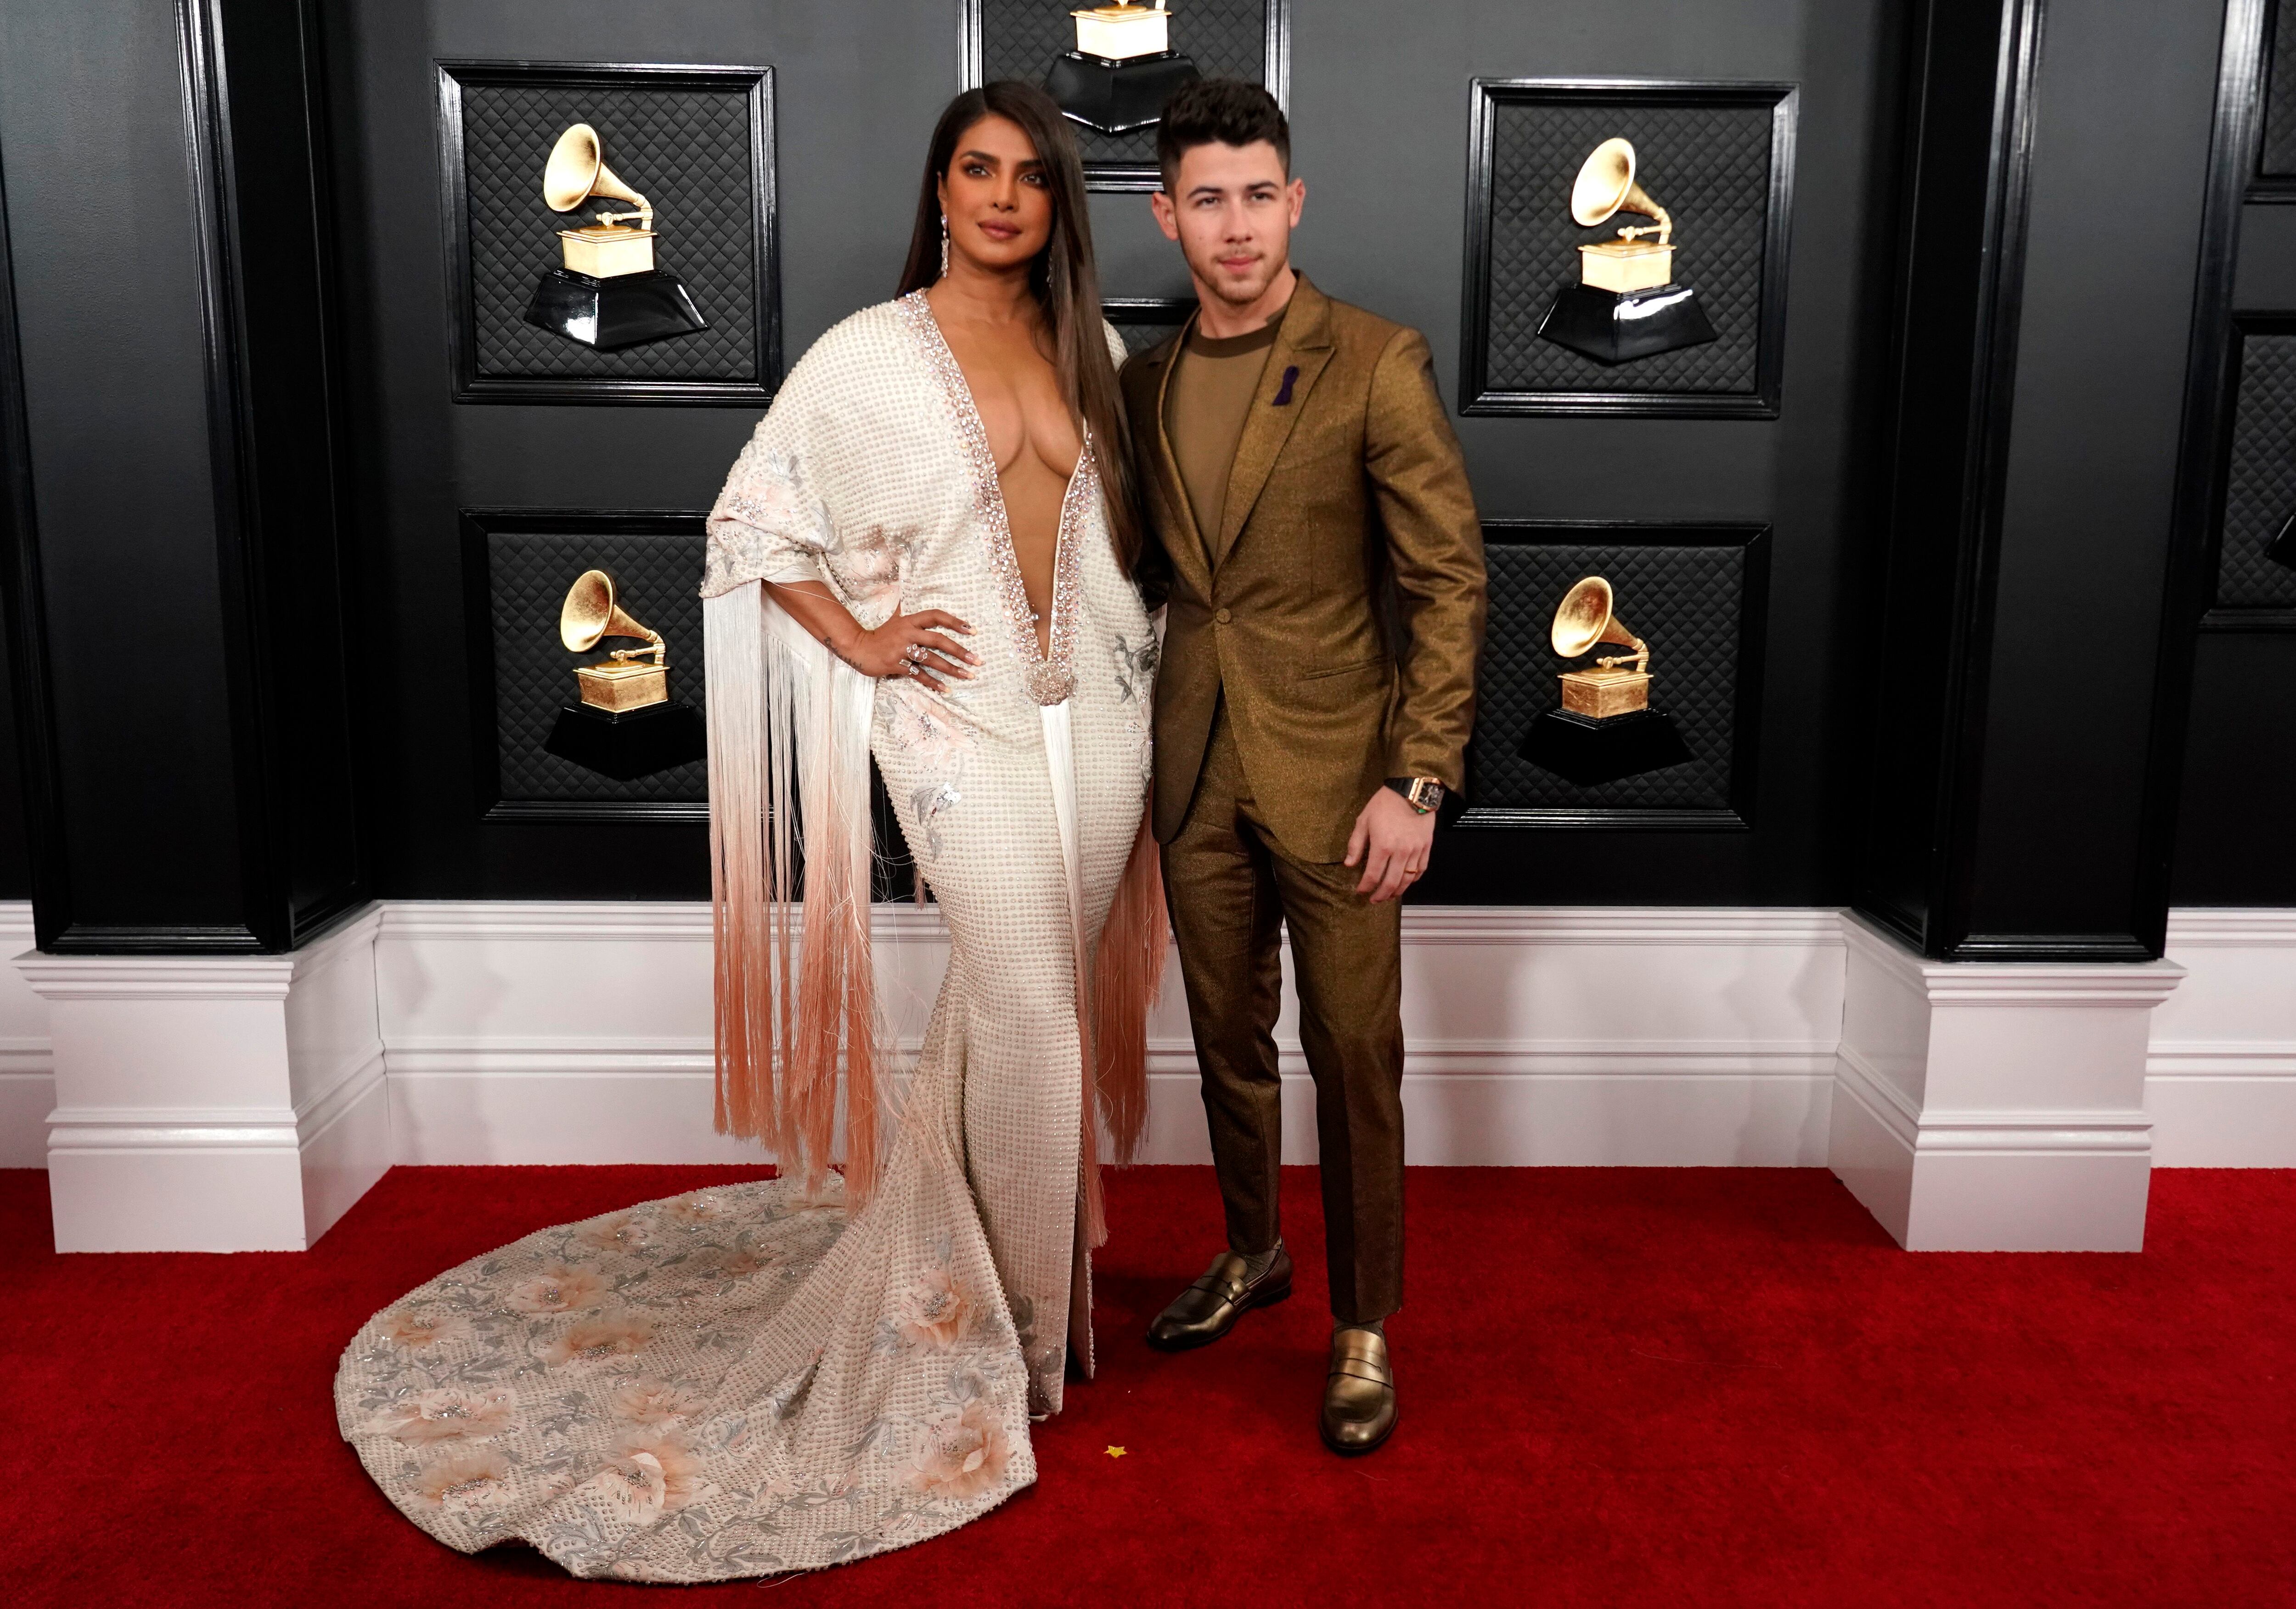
(1284, 391)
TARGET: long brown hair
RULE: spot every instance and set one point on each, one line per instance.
(1066, 283)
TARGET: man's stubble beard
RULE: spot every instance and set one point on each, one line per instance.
(1240, 295)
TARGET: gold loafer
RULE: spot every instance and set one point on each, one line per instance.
(1359, 1394)
(1208, 1308)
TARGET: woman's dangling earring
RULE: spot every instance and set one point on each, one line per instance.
(944, 245)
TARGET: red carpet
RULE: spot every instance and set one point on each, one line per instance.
(1687, 1387)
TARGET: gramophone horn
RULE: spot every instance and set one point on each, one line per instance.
(590, 613)
(577, 171)
(1606, 185)
(1584, 619)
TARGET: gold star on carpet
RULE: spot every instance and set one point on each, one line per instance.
(1115, 1452)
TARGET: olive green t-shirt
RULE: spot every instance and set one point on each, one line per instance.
(1204, 409)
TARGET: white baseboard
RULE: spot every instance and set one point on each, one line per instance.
(578, 1032)
(2220, 1079)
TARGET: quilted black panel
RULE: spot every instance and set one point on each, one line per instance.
(1686, 601)
(686, 150)
(529, 574)
(2276, 159)
(1709, 165)
(1225, 38)
(2260, 481)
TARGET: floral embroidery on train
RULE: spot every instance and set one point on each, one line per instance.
(570, 1388)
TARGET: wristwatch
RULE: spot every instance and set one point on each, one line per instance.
(1423, 793)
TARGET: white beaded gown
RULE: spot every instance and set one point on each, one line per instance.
(758, 1378)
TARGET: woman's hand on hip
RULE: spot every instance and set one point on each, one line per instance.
(915, 646)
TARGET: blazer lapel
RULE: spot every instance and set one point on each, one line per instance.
(1195, 554)
(1303, 346)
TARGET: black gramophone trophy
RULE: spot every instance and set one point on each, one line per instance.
(1605, 729)
(1625, 304)
(607, 294)
(626, 725)
(1122, 70)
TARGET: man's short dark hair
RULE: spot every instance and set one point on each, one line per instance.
(1227, 110)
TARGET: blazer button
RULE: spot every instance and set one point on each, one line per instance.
(1223, 617)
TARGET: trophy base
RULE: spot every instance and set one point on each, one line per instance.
(1116, 97)
(631, 743)
(627, 310)
(2282, 550)
(1605, 694)
(620, 686)
(1618, 326)
(1589, 752)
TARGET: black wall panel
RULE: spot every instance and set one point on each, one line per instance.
(697, 143)
(1695, 593)
(519, 564)
(2260, 474)
(1718, 157)
(2232, 797)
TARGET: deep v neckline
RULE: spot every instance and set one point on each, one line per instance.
(1049, 676)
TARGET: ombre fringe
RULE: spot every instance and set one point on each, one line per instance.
(788, 798)
(1112, 1000)
(1128, 972)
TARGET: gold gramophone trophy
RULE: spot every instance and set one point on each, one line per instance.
(607, 292)
(1583, 622)
(625, 679)
(626, 725)
(1625, 304)
(1605, 729)
(1122, 69)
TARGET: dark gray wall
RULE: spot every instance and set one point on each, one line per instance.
(1380, 126)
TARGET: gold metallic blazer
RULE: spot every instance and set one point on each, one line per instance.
(1348, 483)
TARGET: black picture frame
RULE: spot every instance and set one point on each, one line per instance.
(1486, 97)
(2223, 432)
(478, 525)
(1736, 815)
(470, 386)
(1129, 177)
(2272, 174)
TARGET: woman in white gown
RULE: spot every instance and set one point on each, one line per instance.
(922, 555)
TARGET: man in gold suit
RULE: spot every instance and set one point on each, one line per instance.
(1317, 546)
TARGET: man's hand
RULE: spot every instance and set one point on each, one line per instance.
(1391, 842)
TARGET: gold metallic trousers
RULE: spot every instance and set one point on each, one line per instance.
(1230, 883)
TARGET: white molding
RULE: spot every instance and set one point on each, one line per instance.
(156, 977)
(2234, 927)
